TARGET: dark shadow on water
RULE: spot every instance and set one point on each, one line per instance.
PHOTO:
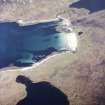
(91, 5)
(41, 93)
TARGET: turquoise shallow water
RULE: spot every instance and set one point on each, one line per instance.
(24, 45)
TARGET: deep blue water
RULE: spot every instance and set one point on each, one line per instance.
(41, 93)
(91, 5)
(24, 45)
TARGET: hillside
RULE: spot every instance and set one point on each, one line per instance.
(30, 10)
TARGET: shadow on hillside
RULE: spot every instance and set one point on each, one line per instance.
(91, 5)
(42, 93)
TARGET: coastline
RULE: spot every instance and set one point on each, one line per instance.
(35, 64)
(26, 23)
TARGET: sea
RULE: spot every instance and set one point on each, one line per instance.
(25, 45)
